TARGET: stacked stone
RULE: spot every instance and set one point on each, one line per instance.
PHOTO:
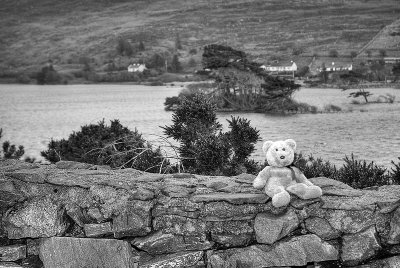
(80, 215)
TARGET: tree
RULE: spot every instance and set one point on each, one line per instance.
(156, 61)
(175, 65)
(382, 53)
(353, 54)
(10, 151)
(124, 47)
(48, 75)
(192, 62)
(333, 53)
(396, 69)
(369, 53)
(204, 149)
(353, 79)
(141, 46)
(178, 44)
(113, 145)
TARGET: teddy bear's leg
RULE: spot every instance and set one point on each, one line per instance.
(305, 192)
(280, 197)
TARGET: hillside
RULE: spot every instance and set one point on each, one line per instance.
(33, 31)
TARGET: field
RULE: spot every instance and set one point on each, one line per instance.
(33, 31)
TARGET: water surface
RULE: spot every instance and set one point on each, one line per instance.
(31, 115)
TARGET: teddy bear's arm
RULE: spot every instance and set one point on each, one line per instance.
(301, 178)
(261, 180)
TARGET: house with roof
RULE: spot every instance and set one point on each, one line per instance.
(330, 64)
(279, 67)
(136, 68)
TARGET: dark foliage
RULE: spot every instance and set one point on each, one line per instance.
(360, 174)
(48, 76)
(10, 151)
(175, 66)
(113, 145)
(156, 61)
(204, 149)
(217, 56)
(396, 69)
(141, 46)
(394, 172)
(315, 167)
(124, 47)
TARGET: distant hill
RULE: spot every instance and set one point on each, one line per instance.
(33, 31)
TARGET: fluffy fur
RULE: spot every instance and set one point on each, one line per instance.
(278, 180)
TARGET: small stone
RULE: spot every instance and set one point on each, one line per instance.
(12, 253)
(164, 243)
(359, 247)
(179, 225)
(98, 230)
(10, 265)
(134, 220)
(231, 233)
(65, 252)
(32, 246)
(176, 260)
(270, 228)
(321, 228)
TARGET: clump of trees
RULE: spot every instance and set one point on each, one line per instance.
(114, 145)
(48, 75)
(11, 151)
(204, 148)
(242, 85)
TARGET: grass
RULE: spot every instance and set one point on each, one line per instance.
(34, 30)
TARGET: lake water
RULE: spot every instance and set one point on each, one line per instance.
(31, 115)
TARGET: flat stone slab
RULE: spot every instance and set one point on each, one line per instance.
(12, 253)
(10, 265)
(177, 260)
(66, 252)
(237, 199)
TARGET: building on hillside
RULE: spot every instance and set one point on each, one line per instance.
(279, 67)
(136, 68)
(329, 64)
(336, 68)
(391, 60)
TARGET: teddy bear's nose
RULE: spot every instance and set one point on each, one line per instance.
(282, 157)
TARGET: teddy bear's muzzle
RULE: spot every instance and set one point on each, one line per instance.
(282, 157)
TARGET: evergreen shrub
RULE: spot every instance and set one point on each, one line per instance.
(114, 145)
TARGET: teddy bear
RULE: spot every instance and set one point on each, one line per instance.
(280, 179)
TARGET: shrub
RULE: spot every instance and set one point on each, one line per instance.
(360, 174)
(333, 53)
(113, 145)
(315, 167)
(394, 172)
(204, 149)
(48, 76)
(332, 108)
(10, 151)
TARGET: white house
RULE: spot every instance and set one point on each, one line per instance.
(136, 67)
(336, 67)
(280, 67)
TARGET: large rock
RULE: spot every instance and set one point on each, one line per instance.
(394, 234)
(10, 265)
(270, 228)
(392, 262)
(297, 251)
(179, 225)
(359, 247)
(224, 211)
(176, 260)
(42, 217)
(66, 252)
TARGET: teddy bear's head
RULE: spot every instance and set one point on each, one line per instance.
(279, 153)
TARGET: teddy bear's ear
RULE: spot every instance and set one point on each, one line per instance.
(291, 143)
(266, 146)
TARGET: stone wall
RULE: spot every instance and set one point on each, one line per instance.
(79, 215)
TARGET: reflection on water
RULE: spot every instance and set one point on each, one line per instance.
(32, 115)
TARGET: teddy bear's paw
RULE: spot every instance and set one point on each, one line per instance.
(313, 192)
(281, 199)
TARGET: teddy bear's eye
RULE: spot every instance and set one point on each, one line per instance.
(276, 149)
(283, 149)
